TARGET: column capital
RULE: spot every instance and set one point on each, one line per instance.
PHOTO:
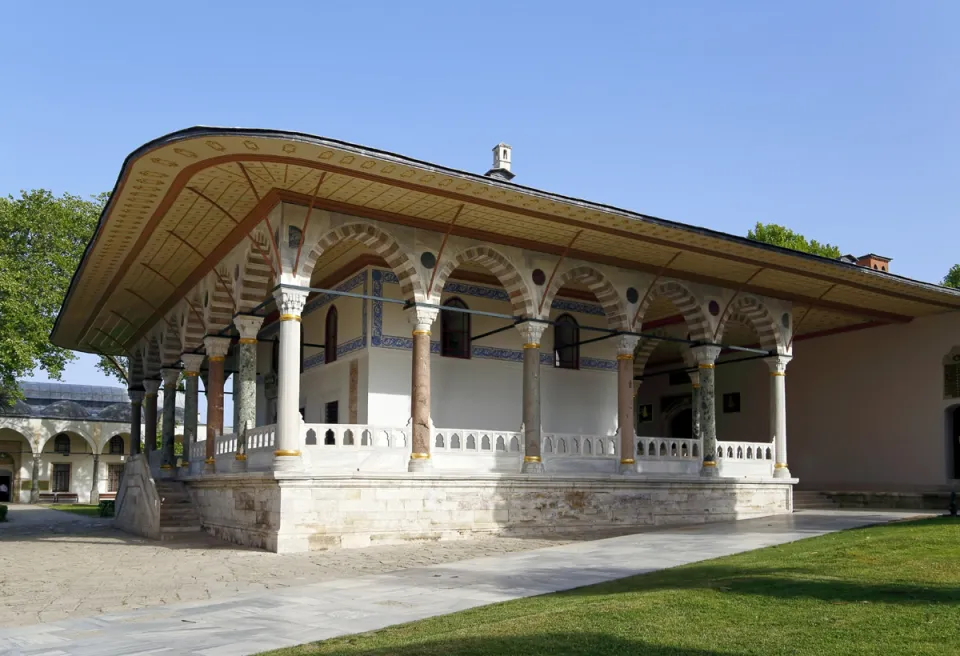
(170, 376)
(151, 386)
(421, 317)
(136, 396)
(694, 377)
(626, 345)
(531, 332)
(191, 363)
(290, 302)
(705, 355)
(778, 364)
(249, 326)
(216, 347)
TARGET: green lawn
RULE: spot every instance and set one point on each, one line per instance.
(886, 590)
(77, 508)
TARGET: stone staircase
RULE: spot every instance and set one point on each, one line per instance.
(179, 518)
(813, 500)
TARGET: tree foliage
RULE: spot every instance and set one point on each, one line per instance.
(952, 279)
(42, 238)
(771, 233)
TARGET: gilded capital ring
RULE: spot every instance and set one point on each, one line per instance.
(287, 453)
(419, 456)
(289, 317)
(531, 458)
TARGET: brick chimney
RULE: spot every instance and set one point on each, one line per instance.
(874, 261)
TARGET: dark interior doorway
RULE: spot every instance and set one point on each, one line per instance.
(6, 487)
(681, 425)
(954, 418)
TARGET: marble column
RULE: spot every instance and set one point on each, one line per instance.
(695, 404)
(95, 483)
(286, 455)
(150, 387)
(706, 358)
(35, 479)
(216, 348)
(191, 375)
(136, 420)
(532, 427)
(168, 426)
(626, 344)
(245, 387)
(778, 412)
(421, 319)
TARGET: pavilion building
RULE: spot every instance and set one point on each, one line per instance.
(427, 353)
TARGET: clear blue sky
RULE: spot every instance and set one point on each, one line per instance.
(837, 119)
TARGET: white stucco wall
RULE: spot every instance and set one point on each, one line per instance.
(486, 390)
(865, 409)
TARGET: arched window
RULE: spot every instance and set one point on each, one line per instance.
(455, 330)
(61, 444)
(116, 445)
(566, 346)
(330, 340)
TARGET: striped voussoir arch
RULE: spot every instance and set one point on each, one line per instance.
(751, 312)
(192, 328)
(520, 296)
(686, 304)
(251, 281)
(169, 341)
(602, 288)
(219, 301)
(380, 243)
(641, 355)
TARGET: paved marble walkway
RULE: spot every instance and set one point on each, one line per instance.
(252, 623)
(80, 566)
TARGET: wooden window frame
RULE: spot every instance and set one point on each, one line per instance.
(446, 330)
(558, 362)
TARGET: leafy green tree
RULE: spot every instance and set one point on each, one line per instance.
(952, 279)
(42, 238)
(771, 233)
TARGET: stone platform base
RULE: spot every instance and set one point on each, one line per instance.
(289, 513)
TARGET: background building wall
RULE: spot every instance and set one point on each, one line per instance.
(865, 409)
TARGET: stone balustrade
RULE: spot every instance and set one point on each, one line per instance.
(468, 441)
(330, 448)
(745, 459)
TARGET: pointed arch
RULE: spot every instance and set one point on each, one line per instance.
(608, 296)
(192, 327)
(521, 296)
(217, 300)
(169, 341)
(752, 312)
(150, 356)
(252, 275)
(687, 304)
(641, 354)
(381, 243)
(68, 428)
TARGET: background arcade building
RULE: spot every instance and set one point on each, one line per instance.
(425, 352)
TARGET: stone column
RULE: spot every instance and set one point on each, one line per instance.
(421, 319)
(95, 484)
(136, 420)
(626, 344)
(531, 427)
(695, 403)
(150, 387)
(216, 348)
(286, 455)
(245, 387)
(191, 374)
(167, 428)
(778, 412)
(706, 358)
(35, 479)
